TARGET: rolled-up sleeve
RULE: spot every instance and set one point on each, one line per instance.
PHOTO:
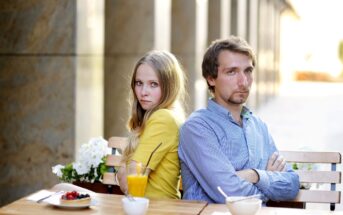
(278, 186)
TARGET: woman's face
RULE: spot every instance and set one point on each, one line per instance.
(147, 87)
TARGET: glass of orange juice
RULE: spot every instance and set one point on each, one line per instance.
(136, 179)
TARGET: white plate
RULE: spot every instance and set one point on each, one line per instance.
(55, 201)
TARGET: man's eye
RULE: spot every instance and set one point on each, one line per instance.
(231, 72)
(249, 70)
(154, 84)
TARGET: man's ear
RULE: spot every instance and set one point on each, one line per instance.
(211, 81)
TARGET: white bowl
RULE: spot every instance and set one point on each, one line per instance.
(243, 207)
(137, 207)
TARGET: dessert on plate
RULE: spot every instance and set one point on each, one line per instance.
(75, 198)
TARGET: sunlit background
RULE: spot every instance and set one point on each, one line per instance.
(310, 38)
(307, 114)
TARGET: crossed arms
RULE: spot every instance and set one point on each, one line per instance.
(207, 162)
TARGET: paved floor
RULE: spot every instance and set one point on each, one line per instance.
(307, 116)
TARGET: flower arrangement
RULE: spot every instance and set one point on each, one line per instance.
(90, 165)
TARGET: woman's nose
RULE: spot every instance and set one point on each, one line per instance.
(144, 90)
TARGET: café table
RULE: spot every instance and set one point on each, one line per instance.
(104, 204)
(221, 209)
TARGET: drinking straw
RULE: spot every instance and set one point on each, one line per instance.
(152, 154)
(139, 168)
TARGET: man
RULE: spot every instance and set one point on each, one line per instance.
(225, 144)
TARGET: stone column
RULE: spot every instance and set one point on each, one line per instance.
(131, 29)
(242, 9)
(263, 60)
(266, 55)
(218, 19)
(89, 71)
(37, 93)
(252, 38)
(189, 40)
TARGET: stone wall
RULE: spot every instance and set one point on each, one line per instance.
(37, 95)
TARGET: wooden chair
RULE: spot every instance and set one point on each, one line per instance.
(331, 177)
(118, 145)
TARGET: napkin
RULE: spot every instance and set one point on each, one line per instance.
(39, 195)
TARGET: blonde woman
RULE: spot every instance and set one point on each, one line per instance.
(157, 85)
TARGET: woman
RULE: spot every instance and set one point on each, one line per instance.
(157, 85)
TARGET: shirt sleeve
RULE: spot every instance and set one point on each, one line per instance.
(277, 186)
(199, 148)
(161, 127)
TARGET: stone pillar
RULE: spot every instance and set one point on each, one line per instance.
(131, 29)
(242, 9)
(189, 40)
(262, 53)
(268, 67)
(89, 71)
(37, 93)
(252, 38)
(218, 19)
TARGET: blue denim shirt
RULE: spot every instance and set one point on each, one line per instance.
(213, 147)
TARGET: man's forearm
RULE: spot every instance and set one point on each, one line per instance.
(248, 175)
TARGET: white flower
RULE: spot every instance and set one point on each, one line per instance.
(80, 168)
(57, 170)
(91, 153)
(90, 156)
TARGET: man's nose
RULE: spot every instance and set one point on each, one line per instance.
(242, 79)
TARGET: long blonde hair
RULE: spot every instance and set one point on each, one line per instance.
(172, 81)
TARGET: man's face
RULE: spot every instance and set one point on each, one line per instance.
(232, 85)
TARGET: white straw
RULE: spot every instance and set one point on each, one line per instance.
(222, 192)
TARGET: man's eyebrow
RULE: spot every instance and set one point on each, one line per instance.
(230, 67)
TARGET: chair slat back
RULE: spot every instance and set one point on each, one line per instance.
(312, 157)
(118, 145)
(319, 176)
(332, 177)
(318, 196)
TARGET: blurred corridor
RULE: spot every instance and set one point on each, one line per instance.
(307, 116)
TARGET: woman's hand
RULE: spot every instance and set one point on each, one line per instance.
(121, 179)
(122, 176)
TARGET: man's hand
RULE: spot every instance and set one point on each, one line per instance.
(276, 163)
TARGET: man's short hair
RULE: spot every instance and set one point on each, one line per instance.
(210, 60)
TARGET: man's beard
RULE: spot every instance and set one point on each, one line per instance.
(238, 101)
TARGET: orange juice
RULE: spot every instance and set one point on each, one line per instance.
(137, 184)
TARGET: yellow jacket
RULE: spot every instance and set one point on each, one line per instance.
(164, 178)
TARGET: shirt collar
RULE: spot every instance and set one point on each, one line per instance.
(220, 110)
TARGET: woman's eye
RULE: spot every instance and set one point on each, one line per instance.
(154, 84)
(138, 83)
